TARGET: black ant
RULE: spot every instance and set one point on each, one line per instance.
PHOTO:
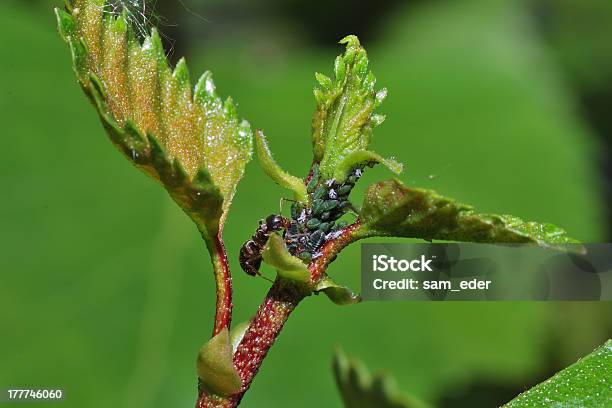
(250, 253)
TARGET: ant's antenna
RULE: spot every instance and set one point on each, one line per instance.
(281, 202)
(265, 277)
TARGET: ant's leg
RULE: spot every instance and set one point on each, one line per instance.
(259, 274)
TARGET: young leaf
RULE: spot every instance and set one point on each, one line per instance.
(274, 171)
(340, 295)
(357, 157)
(216, 367)
(188, 139)
(583, 384)
(275, 254)
(344, 118)
(392, 209)
(360, 390)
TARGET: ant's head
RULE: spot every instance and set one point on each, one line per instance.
(276, 222)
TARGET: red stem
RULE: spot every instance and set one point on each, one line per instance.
(223, 279)
(331, 249)
(271, 316)
(267, 324)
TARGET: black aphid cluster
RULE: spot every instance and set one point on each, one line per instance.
(310, 227)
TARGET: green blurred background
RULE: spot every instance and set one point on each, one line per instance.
(106, 289)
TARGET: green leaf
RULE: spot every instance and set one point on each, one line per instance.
(344, 118)
(340, 295)
(392, 209)
(359, 158)
(360, 390)
(274, 171)
(188, 139)
(237, 333)
(215, 366)
(275, 254)
(584, 384)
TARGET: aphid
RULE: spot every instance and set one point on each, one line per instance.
(325, 216)
(325, 226)
(313, 223)
(329, 182)
(311, 185)
(344, 190)
(250, 253)
(319, 193)
(358, 172)
(293, 228)
(329, 205)
(344, 205)
(317, 206)
(314, 179)
(315, 241)
(315, 171)
(332, 194)
(294, 211)
(305, 256)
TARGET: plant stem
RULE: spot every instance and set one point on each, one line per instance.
(331, 249)
(267, 324)
(223, 280)
(271, 316)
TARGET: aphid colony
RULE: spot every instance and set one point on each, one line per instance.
(309, 227)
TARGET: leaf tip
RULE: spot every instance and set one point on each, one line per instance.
(229, 107)
(244, 136)
(181, 74)
(66, 24)
(351, 41)
(324, 81)
(205, 89)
